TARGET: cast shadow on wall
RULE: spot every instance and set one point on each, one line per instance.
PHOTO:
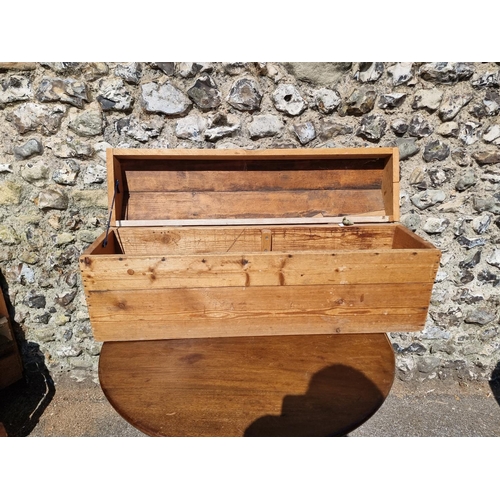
(23, 403)
(338, 400)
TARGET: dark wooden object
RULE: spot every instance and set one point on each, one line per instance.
(11, 368)
(300, 385)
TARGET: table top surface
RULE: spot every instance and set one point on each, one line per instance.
(299, 385)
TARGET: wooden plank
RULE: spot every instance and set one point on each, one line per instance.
(195, 240)
(390, 186)
(405, 238)
(316, 219)
(229, 312)
(112, 247)
(248, 204)
(159, 178)
(305, 385)
(259, 269)
(301, 153)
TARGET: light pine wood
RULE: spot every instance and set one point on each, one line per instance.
(259, 269)
(187, 184)
(271, 310)
(256, 279)
(164, 241)
(306, 385)
(250, 204)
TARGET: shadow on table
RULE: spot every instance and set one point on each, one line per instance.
(338, 400)
(495, 383)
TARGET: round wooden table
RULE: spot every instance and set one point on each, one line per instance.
(300, 385)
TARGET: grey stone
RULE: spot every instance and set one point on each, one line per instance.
(143, 131)
(287, 99)
(471, 243)
(417, 176)
(448, 129)
(14, 88)
(488, 204)
(471, 261)
(491, 103)
(494, 258)
(487, 156)
(72, 148)
(486, 276)
(460, 157)
(220, 127)
(63, 67)
(491, 133)
(445, 72)
(191, 127)
(369, 72)
(428, 364)
(114, 95)
(327, 101)
(265, 126)
(67, 351)
(305, 132)
(37, 117)
(235, 68)
(436, 151)
(66, 299)
(95, 70)
(53, 198)
(96, 198)
(466, 180)
(360, 102)
(166, 67)
(94, 174)
(165, 99)
(435, 225)
(68, 91)
(88, 123)
(479, 316)
(428, 198)
(407, 148)
(67, 174)
(451, 105)
(187, 69)
(489, 79)
(331, 129)
(372, 127)
(411, 221)
(427, 99)
(28, 149)
(391, 101)
(468, 133)
(399, 126)
(319, 73)
(481, 224)
(419, 127)
(401, 73)
(205, 94)
(35, 300)
(6, 167)
(131, 73)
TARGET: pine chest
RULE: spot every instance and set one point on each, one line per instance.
(221, 243)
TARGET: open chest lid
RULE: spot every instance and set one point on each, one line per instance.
(148, 187)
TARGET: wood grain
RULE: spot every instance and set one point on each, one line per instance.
(306, 385)
(236, 312)
(199, 240)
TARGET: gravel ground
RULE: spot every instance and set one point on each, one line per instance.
(66, 407)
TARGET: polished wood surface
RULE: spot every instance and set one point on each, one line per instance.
(304, 385)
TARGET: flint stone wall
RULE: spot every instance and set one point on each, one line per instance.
(57, 119)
